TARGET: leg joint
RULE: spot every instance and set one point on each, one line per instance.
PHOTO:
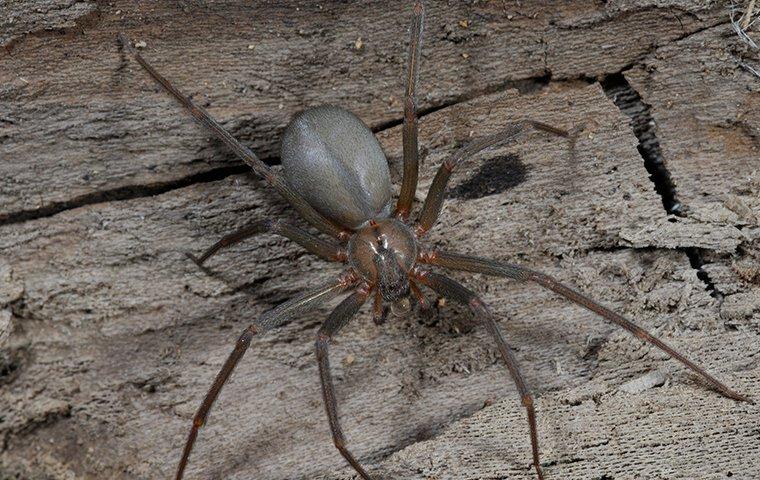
(323, 339)
(478, 305)
(410, 108)
(339, 442)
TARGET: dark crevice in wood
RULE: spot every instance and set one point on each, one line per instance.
(627, 99)
(121, 193)
(12, 361)
(697, 263)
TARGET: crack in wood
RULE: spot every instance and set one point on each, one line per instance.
(129, 192)
(526, 85)
(629, 101)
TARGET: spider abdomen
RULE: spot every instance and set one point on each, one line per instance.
(333, 160)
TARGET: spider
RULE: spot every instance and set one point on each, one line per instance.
(336, 177)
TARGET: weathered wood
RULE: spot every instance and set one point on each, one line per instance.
(114, 335)
(75, 110)
(705, 105)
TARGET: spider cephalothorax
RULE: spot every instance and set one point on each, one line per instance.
(384, 253)
(337, 179)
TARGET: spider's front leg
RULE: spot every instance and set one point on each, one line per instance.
(409, 133)
(244, 153)
(273, 318)
(454, 290)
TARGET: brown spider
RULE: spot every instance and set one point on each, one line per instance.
(337, 179)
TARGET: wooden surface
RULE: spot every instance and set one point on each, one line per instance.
(110, 336)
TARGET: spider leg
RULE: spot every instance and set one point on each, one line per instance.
(409, 133)
(454, 290)
(516, 272)
(327, 250)
(273, 318)
(379, 311)
(434, 200)
(337, 319)
(260, 168)
(422, 302)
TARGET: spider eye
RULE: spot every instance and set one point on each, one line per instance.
(392, 280)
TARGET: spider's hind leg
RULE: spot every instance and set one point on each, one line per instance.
(410, 128)
(437, 192)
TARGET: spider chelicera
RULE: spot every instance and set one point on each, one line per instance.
(337, 178)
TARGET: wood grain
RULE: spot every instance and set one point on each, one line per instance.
(110, 336)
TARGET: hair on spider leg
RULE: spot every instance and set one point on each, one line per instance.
(326, 153)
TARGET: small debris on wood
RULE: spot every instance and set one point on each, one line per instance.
(746, 19)
(11, 289)
(5, 326)
(590, 391)
(645, 382)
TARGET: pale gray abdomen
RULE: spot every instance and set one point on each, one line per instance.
(334, 161)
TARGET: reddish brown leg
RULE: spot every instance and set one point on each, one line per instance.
(434, 200)
(409, 133)
(422, 302)
(338, 318)
(260, 168)
(271, 319)
(327, 250)
(379, 311)
(516, 272)
(449, 288)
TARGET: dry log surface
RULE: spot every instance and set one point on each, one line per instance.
(110, 336)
